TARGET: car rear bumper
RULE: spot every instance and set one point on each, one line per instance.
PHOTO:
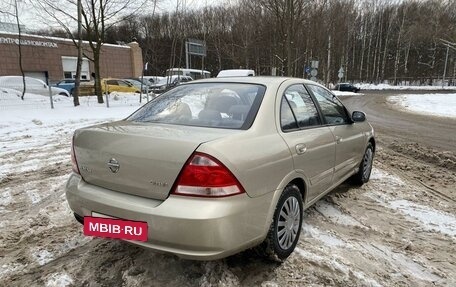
(190, 227)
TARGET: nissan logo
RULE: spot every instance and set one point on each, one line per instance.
(113, 165)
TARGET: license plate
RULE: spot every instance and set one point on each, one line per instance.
(115, 228)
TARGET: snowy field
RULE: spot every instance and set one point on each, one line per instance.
(443, 105)
(364, 86)
(390, 232)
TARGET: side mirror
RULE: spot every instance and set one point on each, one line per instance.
(358, 116)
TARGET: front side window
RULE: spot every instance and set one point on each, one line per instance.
(217, 105)
(301, 107)
(333, 111)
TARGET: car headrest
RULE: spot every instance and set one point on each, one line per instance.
(221, 103)
(209, 115)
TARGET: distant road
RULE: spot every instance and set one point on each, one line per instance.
(436, 132)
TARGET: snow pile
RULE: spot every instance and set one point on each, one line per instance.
(120, 106)
(43, 256)
(335, 215)
(429, 218)
(391, 87)
(345, 94)
(430, 104)
(59, 280)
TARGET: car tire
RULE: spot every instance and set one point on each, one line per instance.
(365, 167)
(283, 235)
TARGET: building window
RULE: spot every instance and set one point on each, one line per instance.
(67, 75)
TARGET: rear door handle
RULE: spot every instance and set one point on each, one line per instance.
(301, 148)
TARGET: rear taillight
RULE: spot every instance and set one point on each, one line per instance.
(205, 176)
(74, 163)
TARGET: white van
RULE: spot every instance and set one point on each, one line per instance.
(236, 73)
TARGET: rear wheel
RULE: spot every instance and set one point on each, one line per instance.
(285, 229)
(365, 167)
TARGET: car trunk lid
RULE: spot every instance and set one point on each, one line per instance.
(142, 159)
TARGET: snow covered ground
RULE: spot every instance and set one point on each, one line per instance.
(443, 105)
(389, 232)
(345, 94)
(25, 125)
(364, 86)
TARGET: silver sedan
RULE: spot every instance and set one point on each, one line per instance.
(216, 166)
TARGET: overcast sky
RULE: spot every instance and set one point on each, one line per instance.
(34, 20)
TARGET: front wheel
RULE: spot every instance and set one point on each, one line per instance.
(365, 167)
(285, 229)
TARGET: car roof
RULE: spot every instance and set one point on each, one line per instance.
(19, 78)
(263, 80)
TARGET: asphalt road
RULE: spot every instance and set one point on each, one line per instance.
(392, 124)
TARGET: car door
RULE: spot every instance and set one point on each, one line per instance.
(311, 144)
(350, 140)
(112, 86)
(125, 87)
(35, 86)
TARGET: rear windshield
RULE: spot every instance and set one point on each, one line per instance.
(216, 105)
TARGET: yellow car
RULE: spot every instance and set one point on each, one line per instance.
(117, 85)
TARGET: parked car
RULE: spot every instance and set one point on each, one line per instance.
(108, 85)
(67, 84)
(169, 82)
(216, 166)
(32, 86)
(347, 87)
(117, 85)
(137, 84)
(153, 79)
(236, 73)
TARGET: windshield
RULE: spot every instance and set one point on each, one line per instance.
(217, 105)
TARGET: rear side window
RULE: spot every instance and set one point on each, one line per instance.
(123, 84)
(332, 110)
(302, 108)
(216, 105)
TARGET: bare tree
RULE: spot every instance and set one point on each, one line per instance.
(11, 10)
(98, 16)
(378, 40)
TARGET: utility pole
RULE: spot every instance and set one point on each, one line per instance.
(449, 45)
(281, 61)
(328, 67)
(289, 16)
(77, 81)
(19, 30)
(444, 70)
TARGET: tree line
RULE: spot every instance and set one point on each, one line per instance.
(372, 41)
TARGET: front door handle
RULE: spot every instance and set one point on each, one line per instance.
(301, 148)
(338, 139)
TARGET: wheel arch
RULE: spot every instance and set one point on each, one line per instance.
(300, 183)
(292, 178)
(372, 141)
(299, 180)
